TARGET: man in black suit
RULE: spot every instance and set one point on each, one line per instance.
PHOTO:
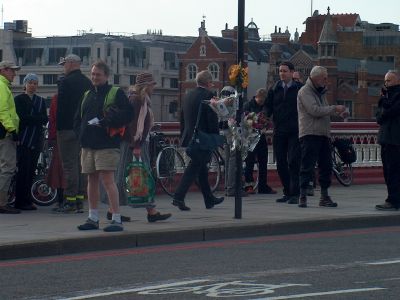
(208, 123)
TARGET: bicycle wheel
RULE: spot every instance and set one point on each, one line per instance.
(42, 194)
(169, 169)
(343, 172)
(214, 172)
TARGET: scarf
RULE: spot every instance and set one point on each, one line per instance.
(144, 109)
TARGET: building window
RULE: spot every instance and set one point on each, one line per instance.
(81, 52)
(173, 83)
(116, 79)
(98, 53)
(50, 78)
(132, 79)
(55, 54)
(214, 70)
(203, 50)
(1, 55)
(191, 72)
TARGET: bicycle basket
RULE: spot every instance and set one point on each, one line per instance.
(139, 183)
(346, 151)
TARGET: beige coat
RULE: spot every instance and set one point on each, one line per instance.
(314, 111)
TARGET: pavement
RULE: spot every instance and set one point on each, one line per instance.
(43, 233)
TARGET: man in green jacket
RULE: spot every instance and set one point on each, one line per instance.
(9, 123)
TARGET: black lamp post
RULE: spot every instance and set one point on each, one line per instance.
(240, 59)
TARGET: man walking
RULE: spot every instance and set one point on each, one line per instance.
(70, 93)
(314, 133)
(9, 123)
(388, 117)
(100, 112)
(208, 123)
(281, 104)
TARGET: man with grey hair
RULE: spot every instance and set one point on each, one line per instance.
(208, 123)
(314, 133)
(388, 117)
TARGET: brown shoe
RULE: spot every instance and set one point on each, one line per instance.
(6, 209)
(327, 202)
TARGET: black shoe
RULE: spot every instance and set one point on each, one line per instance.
(123, 218)
(26, 207)
(181, 205)
(302, 202)
(283, 199)
(293, 200)
(114, 227)
(386, 206)
(157, 217)
(327, 202)
(215, 201)
(7, 209)
(89, 225)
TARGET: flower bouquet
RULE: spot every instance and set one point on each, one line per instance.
(238, 76)
(254, 124)
(226, 107)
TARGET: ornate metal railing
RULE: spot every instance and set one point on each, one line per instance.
(363, 135)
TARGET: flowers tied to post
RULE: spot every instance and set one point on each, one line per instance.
(253, 124)
(225, 107)
(238, 76)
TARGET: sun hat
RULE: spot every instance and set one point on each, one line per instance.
(145, 78)
(9, 65)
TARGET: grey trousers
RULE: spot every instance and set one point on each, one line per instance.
(8, 164)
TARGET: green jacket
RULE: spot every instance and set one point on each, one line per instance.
(8, 114)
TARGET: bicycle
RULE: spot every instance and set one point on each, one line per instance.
(343, 171)
(216, 167)
(167, 163)
(41, 193)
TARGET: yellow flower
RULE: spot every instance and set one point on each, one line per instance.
(238, 76)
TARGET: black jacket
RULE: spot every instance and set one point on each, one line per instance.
(252, 106)
(388, 117)
(208, 120)
(283, 109)
(33, 116)
(118, 115)
(70, 93)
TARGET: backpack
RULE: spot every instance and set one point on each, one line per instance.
(346, 150)
(139, 183)
(108, 102)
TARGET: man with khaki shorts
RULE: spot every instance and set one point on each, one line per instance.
(103, 110)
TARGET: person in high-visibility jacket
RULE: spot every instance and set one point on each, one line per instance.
(9, 123)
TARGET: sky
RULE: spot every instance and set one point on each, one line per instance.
(181, 17)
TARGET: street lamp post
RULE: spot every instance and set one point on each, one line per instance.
(240, 59)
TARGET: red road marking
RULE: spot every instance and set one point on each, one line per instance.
(198, 245)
